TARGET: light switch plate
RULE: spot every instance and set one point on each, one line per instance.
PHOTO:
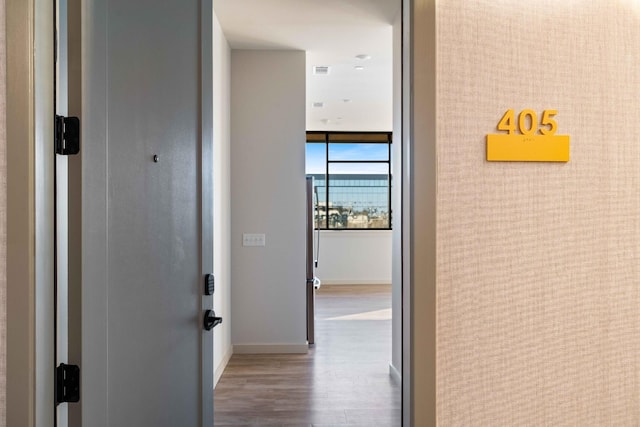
(251, 239)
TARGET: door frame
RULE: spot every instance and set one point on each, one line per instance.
(26, 288)
(419, 186)
(30, 243)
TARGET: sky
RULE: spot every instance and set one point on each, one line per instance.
(316, 155)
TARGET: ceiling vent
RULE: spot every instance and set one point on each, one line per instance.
(320, 70)
(318, 104)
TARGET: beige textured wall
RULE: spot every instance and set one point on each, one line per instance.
(538, 265)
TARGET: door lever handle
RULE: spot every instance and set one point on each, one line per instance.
(210, 320)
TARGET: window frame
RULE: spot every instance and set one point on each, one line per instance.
(340, 137)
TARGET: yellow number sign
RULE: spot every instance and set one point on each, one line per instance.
(527, 141)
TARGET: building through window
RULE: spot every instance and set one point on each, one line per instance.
(352, 175)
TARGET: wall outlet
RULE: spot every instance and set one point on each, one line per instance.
(253, 239)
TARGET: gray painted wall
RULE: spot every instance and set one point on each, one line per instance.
(267, 196)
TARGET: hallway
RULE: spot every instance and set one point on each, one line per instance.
(343, 381)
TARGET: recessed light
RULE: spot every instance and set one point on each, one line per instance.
(359, 67)
(363, 56)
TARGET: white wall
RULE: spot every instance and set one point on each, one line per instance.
(355, 257)
(222, 349)
(267, 196)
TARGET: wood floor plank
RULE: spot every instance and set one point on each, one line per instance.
(342, 381)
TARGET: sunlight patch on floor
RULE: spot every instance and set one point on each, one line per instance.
(384, 314)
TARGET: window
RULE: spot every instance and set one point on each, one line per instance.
(352, 175)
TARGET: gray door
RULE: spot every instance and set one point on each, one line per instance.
(147, 236)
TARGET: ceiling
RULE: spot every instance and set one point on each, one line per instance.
(333, 33)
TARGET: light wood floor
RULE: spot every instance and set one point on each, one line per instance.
(342, 381)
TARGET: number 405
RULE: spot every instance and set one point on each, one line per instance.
(527, 123)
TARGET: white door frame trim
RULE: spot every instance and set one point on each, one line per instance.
(405, 368)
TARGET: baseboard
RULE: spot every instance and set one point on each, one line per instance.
(395, 374)
(355, 282)
(270, 348)
(221, 367)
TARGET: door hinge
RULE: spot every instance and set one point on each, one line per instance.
(67, 135)
(67, 383)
